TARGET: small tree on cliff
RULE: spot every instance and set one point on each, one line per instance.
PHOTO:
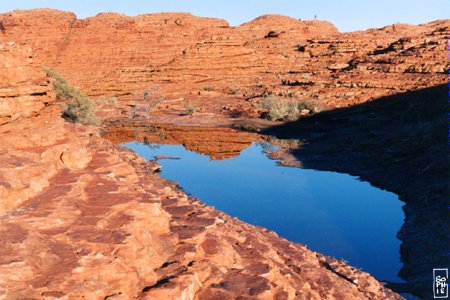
(77, 107)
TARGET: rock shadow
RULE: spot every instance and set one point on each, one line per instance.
(399, 143)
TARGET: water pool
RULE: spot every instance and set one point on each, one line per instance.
(335, 214)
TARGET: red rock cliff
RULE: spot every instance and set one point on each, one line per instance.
(83, 218)
(187, 56)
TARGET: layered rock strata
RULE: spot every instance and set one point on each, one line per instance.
(223, 68)
(83, 218)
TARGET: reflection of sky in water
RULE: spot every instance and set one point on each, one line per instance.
(332, 213)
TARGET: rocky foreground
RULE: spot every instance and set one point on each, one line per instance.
(82, 218)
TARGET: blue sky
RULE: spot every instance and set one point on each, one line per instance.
(347, 15)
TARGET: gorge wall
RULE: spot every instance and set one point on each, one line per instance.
(220, 66)
(74, 203)
(81, 217)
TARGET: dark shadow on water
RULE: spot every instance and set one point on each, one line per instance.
(399, 143)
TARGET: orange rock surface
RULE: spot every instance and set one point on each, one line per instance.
(225, 69)
(83, 218)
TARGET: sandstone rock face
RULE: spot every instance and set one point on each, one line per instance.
(206, 60)
(82, 218)
(114, 230)
(76, 156)
(24, 90)
(110, 41)
(35, 141)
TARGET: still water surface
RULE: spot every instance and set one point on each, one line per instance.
(335, 214)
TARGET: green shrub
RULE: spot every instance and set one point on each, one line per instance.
(234, 89)
(102, 100)
(189, 107)
(152, 98)
(77, 107)
(284, 110)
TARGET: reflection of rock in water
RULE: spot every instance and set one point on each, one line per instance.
(117, 228)
(398, 143)
(217, 143)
